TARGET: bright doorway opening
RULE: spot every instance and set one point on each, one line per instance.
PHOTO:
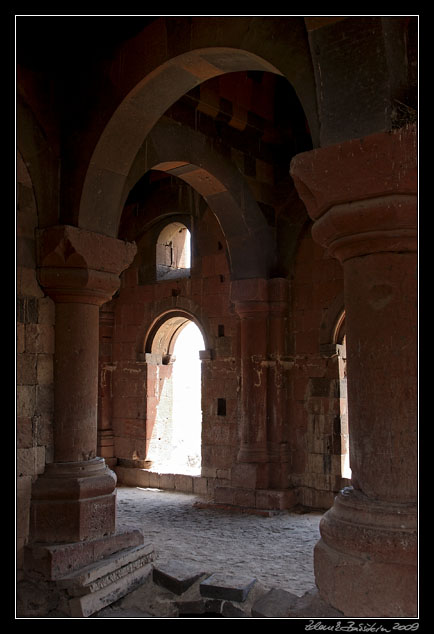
(187, 406)
(175, 423)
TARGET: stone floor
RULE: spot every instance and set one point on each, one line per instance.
(277, 550)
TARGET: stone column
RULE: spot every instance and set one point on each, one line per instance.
(362, 198)
(105, 443)
(251, 304)
(278, 452)
(74, 499)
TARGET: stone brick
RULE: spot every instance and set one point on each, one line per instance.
(26, 369)
(27, 283)
(167, 481)
(44, 401)
(40, 338)
(26, 401)
(183, 483)
(30, 461)
(200, 486)
(43, 430)
(27, 310)
(24, 432)
(46, 313)
(21, 338)
(44, 366)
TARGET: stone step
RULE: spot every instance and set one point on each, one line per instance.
(88, 604)
(100, 573)
(97, 585)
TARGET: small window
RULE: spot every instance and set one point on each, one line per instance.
(173, 252)
(221, 407)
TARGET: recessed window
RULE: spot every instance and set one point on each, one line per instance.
(221, 407)
(173, 252)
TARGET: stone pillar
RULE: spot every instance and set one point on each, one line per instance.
(105, 443)
(251, 304)
(278, 451)
(74, 499)
(362, 198)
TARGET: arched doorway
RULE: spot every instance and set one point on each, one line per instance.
(187, 407)
(174, 413)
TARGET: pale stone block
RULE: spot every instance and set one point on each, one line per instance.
(21, 338)
(46, 311)
(26, 401)
(25, 433)
(44, 400)
(184, 483)
(154, 480)
(200, 486)
(26, 369)
(44, 368)
(40, 338)
(26, 462)
(24, 490)
(27, 283)
(43, 430)
(167, 481)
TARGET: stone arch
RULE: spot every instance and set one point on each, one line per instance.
(164, 309)
(162, 336)
(144, 105)
(173, 424)
(332, 325)
(185, 154)
(40, 162)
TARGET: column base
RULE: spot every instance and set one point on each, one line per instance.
(72, 502)
(366, 560)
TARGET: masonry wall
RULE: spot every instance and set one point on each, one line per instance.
(34, 369)
(205, 296)
(316, 437)
(312, 421)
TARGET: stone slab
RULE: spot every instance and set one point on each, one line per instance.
(108, 567)
(275, 604)
(84, 606)
(226, 586)
(57, 560)
(177, 576)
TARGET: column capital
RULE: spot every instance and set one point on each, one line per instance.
(378, 165)
(75, 265)
(362, 194)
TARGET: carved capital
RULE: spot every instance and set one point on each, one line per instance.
(75, 265)
(383, 224)
(379, 165)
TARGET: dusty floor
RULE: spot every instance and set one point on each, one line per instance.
(276, 550)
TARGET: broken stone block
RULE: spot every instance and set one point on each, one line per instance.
(274, 604)
(311, 605)
(177, 576)
(231, 611)
(228, 587)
